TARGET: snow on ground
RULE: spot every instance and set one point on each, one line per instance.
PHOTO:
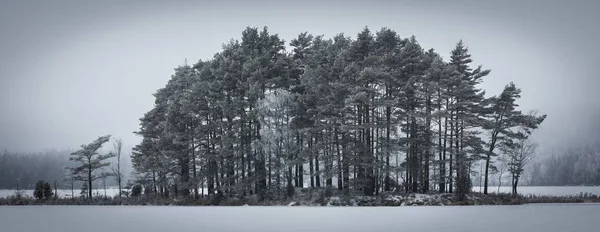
(545, 190)
(526, 190)
(110, 192)
(62, 193)
(530, 218)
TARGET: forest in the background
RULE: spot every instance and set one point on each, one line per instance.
(573, 166)
(23, 170)
(364, 115)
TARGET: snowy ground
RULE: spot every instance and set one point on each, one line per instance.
(526, 190)
(63, 192)
(530, 218)
(545, 190)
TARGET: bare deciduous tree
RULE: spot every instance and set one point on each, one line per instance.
(502, 165)
(117, 148)
(71, 179)
(103, 177)
(519, 154)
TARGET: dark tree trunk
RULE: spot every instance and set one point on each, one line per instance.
(415, 159)
(317, 176)
(345, 163)
(297, 175)
(154, 182)
(450, 173)
(487, 162)
(388, 113)
(185, 176)
(310, 163)
(195, 172)
(427, 144)
(515, 184)
(340, 183)
(90, 180)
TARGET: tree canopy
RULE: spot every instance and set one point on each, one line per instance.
(366, 115)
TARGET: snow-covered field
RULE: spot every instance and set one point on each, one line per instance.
(530, 218)
(63, 192)
(545, 190)
(526, 190)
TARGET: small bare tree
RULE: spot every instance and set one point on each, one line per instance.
(519, 154)
(56, 188)
(501, 169)
(71, 179)
(117, 148)
(103, 176)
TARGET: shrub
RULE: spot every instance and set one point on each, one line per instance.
(231, 201)
(252, 200)
(290, 190)
(217, 198)
(328, 191)
(136, 191)
(19, 194)
(84, 190)
(42, 190)
(48, 193)
(125, 193)
(148, 190)
(321, 198)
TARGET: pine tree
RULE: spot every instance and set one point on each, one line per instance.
(43, 190)
(387, 47)
(90, 161)
(502, 117)
(253, 118)
(467, 109)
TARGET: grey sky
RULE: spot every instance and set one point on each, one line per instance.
(73, 70)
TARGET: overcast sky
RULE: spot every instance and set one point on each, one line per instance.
(73, 70)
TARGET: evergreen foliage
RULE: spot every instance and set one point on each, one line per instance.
(365, 115)
(89, 162)
(43, 190)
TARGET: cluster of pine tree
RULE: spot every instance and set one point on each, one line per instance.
(366, 115)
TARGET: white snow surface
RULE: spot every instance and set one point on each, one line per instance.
(66, 193)
(545, 190)
(530, 218)
(62, 193)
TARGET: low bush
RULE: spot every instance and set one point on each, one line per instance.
(308, 197)
(42, 191)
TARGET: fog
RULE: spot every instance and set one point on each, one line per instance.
(71, 71)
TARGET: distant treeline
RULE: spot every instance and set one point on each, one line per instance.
(576, 166)
(23, 170)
